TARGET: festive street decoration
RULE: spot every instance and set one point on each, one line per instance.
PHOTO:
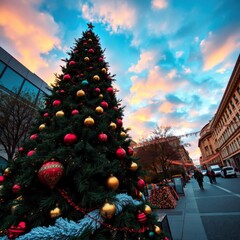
(50, 173)
(121, 153)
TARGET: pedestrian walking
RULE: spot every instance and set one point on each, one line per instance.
(210, 177)
(199, 177)
(213, 175)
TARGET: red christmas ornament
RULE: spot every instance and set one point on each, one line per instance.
(102, 137)
(50, 173)
(75, 112)
(104, 104)
(16, 188)
(75, 51)
(130, 151)
(141, 184)
(33, 137)
(70, 138)
(14, 231)
(115, 108)
(30, 153)
(45, 115)
(62, 91)
(142, 218)
(100, 59)
(66, 77)
(119, 122)
(91, 50)
(97, 90)
(121, 153)
(56, 103)
(90, 68)
(110, 90)
(2, 179)
(20, 149)
(71, 63)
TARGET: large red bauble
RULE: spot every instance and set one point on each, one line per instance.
(20, 149)
(110, 90)
(33, 137)
(75, 112)
(70, 138)
(30, 153)
(56, 103)
(130, 151)
(102, 137)
(100, 59)
(16, 188)
(50, 173)
(45, 115)
(91, 50)
(121, 153)
(97, 90)
(104, 104)
(119, 122)
(14, 231)
(2, 179)
(72, 63)
(142, 218)
(141, 184)
(66, 77)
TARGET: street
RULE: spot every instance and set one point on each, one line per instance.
(219, 207)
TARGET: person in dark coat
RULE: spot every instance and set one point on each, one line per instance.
(199, 177)
(209, 174)
(213, 175)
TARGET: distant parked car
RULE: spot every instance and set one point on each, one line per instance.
(216, 169)
(228, 172)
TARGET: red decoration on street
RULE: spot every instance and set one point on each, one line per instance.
(121, 153)
(56, 103)
(119, 122)
(70, 138)
(110, 90)
(97, 90)
(2, 179)
(14, 231)
(66, 77)
(102, 137)
(75, 112)
(50, 173)
(130, 151)
(141, 184)
(16, 188)
(30, 153)
(33, 137)
(104, 104)
(45, 115)
(71, 63)
(142, 218)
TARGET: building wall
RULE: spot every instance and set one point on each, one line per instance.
(16, 79)
(225, 126)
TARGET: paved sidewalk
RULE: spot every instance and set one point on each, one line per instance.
(185, 221)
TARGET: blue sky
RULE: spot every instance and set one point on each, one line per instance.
(172, 59)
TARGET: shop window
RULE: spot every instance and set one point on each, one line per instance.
(2, 66)
(29, 91)
(41, 99)
(11, 80)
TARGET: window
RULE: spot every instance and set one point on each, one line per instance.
(233, 107)
(41, 99)
(235, 98)
(29, 91)
(11, 80)
(2, 66)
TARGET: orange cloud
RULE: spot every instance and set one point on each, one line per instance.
(29, 32)
(213, 53)
(159, 4)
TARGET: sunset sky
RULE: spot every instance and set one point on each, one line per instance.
(172, 59)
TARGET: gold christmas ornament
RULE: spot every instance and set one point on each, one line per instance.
(113, 125)
(42, 126)
(123, 134)
(59, 114)
(108, 210)
(133, 166)
(86, 59)
(112, 183)
(99, 109)
(13, 208)
(6, 172)
(140, 195)
(90, 40)
(96, 78)
(147, 210)
(80, 93)
(88, 121)
(104, 70)
(100, 96)
(157, 229)
(56, 212)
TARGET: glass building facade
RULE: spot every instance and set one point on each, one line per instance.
(18, 80)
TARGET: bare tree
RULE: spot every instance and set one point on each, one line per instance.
(16, 116)
(157, 151)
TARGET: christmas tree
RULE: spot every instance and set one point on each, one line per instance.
(76, 176)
